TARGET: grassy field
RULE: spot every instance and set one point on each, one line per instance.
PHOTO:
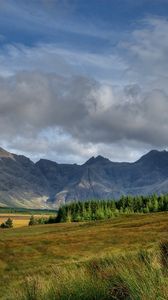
(61, 252)
(21, 216)
(19, 220)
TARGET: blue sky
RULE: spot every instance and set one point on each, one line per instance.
(95, 25)
(82, 78)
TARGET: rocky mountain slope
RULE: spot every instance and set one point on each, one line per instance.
(48, 184)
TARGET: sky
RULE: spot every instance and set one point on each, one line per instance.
(83, 78)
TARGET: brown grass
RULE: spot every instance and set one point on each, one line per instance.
(19, 220)
(38, 249)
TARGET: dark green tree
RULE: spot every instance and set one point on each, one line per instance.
(7, 224)
(32, 221)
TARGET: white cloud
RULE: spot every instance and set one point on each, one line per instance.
(147, 50)
(86, 103)
(82, 110)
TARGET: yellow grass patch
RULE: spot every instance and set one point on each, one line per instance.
(19, 220)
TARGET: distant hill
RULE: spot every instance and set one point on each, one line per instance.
(47, 184)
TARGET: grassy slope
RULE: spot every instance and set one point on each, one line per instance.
(34, 250)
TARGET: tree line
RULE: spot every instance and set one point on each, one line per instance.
(105, 209)
(101, 209)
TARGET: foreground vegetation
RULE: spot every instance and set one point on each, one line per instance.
(141, 276)
(89, 260)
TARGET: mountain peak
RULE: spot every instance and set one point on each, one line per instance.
(5, 154)
(155, 156)
(154, 152)
(96, 160)
(48, 184)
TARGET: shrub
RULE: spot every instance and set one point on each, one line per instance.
(32, 221)
(7, 224)
(164, 254)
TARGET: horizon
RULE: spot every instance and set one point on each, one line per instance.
(80, 78)
(92, 157)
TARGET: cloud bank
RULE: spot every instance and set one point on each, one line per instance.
(37, 105)
(68, 105)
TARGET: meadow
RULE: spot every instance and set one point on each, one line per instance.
(19, 220)
(110, 259)
(21, 216)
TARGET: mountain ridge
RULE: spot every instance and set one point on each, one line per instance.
(48, 184)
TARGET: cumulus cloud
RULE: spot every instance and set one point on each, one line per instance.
(51, 107)
(83, 109)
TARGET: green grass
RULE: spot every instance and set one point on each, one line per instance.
(131, 277)
(93, 260)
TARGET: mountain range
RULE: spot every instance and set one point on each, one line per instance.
(47, 184)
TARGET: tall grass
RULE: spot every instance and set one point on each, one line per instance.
(140, 276)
